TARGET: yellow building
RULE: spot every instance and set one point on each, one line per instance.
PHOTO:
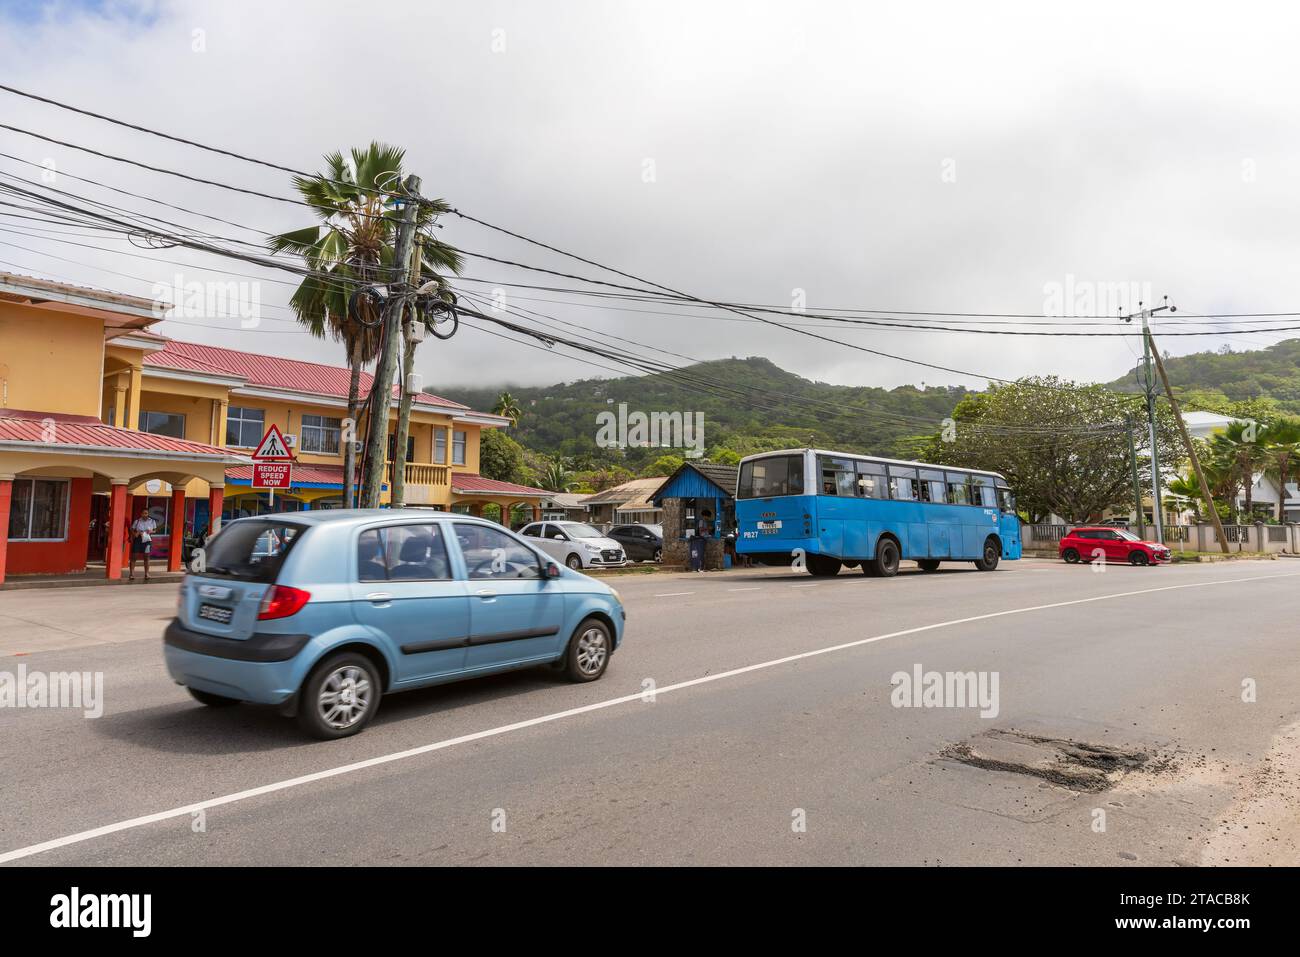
(101, 418)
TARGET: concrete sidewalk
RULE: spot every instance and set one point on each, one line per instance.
(49, 619)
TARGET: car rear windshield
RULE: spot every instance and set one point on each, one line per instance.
(250, 549)
(779, 475)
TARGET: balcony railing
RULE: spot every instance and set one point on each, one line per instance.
(421, 473)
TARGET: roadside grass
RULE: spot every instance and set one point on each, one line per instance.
(1183, 556)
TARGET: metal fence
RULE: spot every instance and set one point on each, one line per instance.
(1248, 538)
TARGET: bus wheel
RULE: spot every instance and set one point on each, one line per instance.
(991, 556)
(928, 564)
(822, 566)
(885, 564)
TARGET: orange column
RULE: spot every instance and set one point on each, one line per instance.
(117, 525)
(6, 500)
(216, 499)
(537, 513)
(128, 516)
(176, 525)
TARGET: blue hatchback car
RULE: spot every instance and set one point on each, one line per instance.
(323, 612)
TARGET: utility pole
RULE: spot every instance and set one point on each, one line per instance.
(401, 434)
(382, 394)
(1137, 484)
(1191, 449)
(1150, 384)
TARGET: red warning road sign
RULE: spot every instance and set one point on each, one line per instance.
(273, 446)
(273, 462)
(272, 474)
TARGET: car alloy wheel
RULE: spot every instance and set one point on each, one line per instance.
(658, 556)
(344, 697)
(574, 562)
(1071, 556)
(589, 651)
(339, 697)
(1139, 558)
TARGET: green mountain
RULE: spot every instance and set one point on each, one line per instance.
(1271, 373)
(748, 405)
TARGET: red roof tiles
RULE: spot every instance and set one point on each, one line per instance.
(54, 430)
(468, 482)
(302, 474)
(273, 372)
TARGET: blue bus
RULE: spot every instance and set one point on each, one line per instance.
(836, 509)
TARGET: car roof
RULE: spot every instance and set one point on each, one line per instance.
(343, 516)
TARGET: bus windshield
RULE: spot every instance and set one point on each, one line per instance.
(778, 475)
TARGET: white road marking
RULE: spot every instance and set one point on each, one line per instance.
(672, 594)
(82, 836)
(807, 585)
(754, 588)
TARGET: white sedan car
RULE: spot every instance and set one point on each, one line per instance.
(577, 544)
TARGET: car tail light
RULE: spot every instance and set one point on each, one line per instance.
(281, 601)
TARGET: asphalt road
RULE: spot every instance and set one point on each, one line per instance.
(770, 737)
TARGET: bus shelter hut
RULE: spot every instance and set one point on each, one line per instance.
(684, 496)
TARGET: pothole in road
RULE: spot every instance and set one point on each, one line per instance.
(1077, 765)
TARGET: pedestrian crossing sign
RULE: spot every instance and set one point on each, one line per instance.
(272, 446)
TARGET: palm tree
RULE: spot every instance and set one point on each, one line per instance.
(1282, 449)
(508, 406)
(352, 246)
(1239, 455)
(1186, 486)
(555, 476)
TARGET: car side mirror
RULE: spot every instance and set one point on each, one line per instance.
(551, 570)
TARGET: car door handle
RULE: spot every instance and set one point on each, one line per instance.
(487, 594)
(379, 597)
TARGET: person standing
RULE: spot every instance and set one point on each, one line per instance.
(703, 532)
(142, 530)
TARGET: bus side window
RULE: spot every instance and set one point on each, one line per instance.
(1006, 501)
(903, 485)
(958, 489)
(871, 480)
(987, 497)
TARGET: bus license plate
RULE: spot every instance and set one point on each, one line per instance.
(771, 523)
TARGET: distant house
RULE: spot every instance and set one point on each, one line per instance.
(1264, 493)
(629, 502)
(564, 507)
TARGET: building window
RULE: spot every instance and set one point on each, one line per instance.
(39, 510)
(457, 448)
(440, 445)
(410, 447)
(110, 417)
(163, 423)
(320, 433)
(245, 427)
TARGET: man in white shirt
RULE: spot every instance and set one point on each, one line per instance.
(142, 530)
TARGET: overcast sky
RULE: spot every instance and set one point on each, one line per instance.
(947, 157)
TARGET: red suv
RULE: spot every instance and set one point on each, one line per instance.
(1090, 542)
